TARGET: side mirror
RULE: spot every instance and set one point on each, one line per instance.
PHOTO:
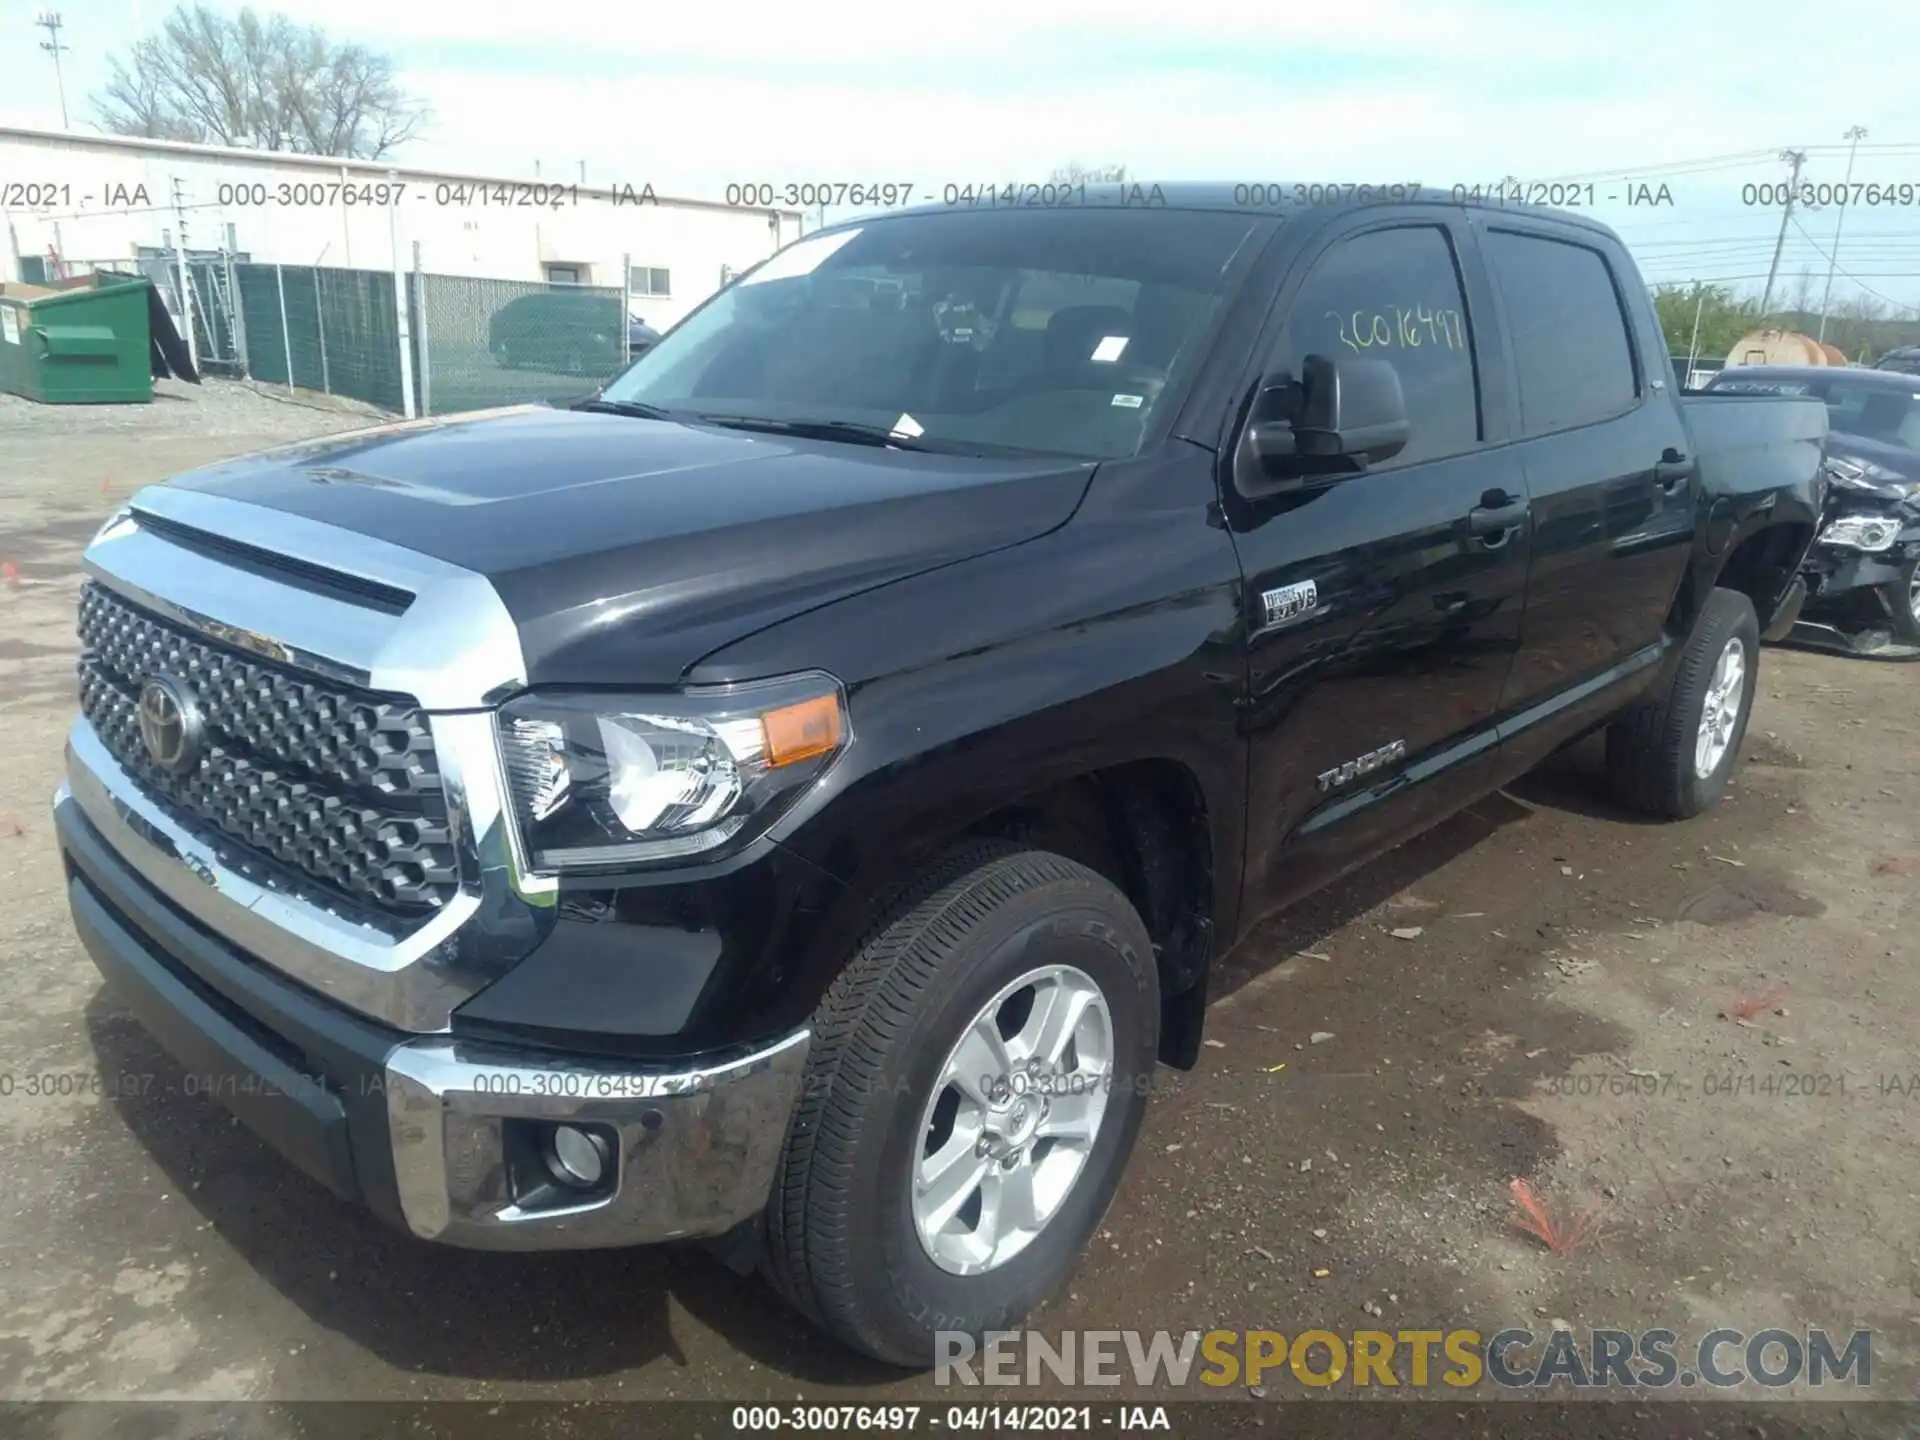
(1339, 418)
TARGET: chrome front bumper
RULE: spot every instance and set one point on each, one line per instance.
(694, 1150)
(438, 1133)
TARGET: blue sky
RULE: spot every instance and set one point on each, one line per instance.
(691, 97)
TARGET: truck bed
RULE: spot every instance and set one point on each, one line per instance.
(1750, 444)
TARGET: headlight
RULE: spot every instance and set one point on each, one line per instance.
(1861, 532)
(606, 781)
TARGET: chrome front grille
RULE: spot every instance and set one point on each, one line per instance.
(332, 785)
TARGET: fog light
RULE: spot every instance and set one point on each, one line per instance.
(577, 1157)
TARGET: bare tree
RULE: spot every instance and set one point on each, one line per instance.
(260, 81)
(1802, 300)
(1073, 173)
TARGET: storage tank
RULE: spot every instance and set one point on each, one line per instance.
(1780, 347)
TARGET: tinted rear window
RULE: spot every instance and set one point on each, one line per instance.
(1570, 343)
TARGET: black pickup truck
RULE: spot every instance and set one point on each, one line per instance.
(794, 799)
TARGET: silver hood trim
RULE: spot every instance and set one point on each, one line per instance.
(454, 647)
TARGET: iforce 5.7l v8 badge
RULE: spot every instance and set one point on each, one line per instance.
(1290, 602)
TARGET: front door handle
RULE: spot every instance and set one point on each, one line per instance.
(1488, 521)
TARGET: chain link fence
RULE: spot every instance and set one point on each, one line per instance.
(323, 328)
(472, 343)
(500, 342)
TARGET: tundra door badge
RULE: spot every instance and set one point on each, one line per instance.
(1362, 765)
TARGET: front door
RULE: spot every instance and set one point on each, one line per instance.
(1383, 609)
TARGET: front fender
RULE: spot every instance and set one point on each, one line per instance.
(1113, 640)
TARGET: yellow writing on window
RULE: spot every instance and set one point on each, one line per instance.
(1400, 327)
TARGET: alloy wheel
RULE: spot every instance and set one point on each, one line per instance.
(1012, 1119)
(1720, 712)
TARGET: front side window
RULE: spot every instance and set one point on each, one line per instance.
(1570, 344)
(1064, 332)
(1394, 295)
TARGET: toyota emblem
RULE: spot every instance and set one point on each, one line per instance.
(170, 724)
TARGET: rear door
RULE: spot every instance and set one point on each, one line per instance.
(1613, 488)
(1382, 613)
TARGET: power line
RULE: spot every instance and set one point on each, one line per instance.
(1855, 134)
(1737, 160)
(1832, 259)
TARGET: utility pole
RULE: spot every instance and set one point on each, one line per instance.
(180, 269)
(1854, 135)
(402, 321)
(1796, 158)
(50, 22)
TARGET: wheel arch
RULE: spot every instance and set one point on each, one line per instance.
(1761, 562)
(1146, 824)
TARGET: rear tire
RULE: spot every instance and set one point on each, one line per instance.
(1671, 753)
(855, 1239)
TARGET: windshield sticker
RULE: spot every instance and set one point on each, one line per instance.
(1129, 402)
(1108, 350)
(802, 257)
(908, 426)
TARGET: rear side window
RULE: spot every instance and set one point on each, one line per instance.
(1570, 344)
(1394, 295)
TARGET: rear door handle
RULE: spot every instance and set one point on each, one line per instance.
(1490, 520)
(1673, 471)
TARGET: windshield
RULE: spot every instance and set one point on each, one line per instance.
(1890, 416)
(1057, 331)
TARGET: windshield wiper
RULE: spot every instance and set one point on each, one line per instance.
(851, 431)
(635, 408)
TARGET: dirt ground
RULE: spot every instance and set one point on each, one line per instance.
(1554, 1007)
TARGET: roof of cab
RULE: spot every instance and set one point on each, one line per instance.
(1274, 200)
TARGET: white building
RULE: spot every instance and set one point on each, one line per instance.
(73, 202)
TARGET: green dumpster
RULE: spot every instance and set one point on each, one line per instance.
(76, 347)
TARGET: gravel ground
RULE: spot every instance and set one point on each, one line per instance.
(1494, 997)
(213, 409)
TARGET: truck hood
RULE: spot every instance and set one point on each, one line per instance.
(1897, 458)
(627, 549)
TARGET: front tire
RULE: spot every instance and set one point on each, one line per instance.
(1672, 753)
(1903, 602)
(976, 1083)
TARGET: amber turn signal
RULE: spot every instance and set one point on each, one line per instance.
(802, 731)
